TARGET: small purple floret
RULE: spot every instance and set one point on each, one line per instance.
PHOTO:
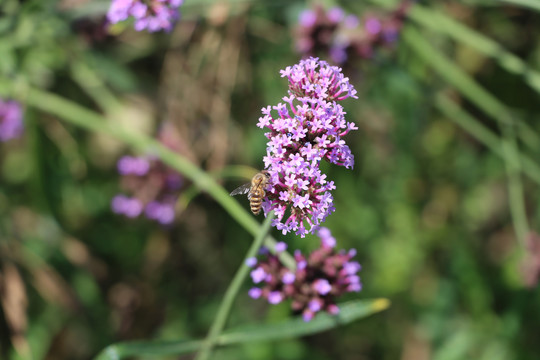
(124, 205)
(251, 262)
(322, 286)
(280, 247)
(258, 275)
(288, 278)
(161, 212)
(255, 293)
(373, 25)
(275, 297)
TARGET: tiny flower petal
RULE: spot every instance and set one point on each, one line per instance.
(280, 247)
(258, 275)
(255, 293)
(251, 262)
(288, 278)
(275, 297)
(322, 286)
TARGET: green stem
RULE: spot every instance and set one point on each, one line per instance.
(232, 291)
(515, 186)
(80, 116)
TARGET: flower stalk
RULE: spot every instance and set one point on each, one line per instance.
(232, 291)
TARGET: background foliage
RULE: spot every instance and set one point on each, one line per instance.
(440, 203)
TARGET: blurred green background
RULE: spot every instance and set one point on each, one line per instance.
(439, 205)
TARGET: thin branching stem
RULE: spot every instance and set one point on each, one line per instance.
(232, 291)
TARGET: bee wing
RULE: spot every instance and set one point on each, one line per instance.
(243, 189)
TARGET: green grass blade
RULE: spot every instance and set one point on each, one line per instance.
(349, 312)
(533, 4)
(148, 348)
(490, 105)
(455, 76)
(474, 127)
(513, 64)
(459, 79)
(454, 29)
(442, 23)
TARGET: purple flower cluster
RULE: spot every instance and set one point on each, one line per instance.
(11, 120)
(308, 127)
(154, 186)
(342, 36)
(151, 15)
(318, 280)
(530, 264)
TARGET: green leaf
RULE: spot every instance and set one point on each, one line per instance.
(349, 312)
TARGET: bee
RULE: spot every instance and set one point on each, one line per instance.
(255, 190)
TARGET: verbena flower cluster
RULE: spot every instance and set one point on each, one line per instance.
(151, 15)
(342, 37)
(305, 129)
(318, 280)
(153, 186)
(11, 120)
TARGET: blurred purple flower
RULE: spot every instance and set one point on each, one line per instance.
(280, 247)
(318, 281)
(345, 37)
(322, 286)
(258, 275)
(251, 262)
(130, 207)
(373, 25)
(530, 265)
(307, 18)
(160, 211)
(275, 297)
(335, 15)
(351, 21)
(154, 186)
(255, 293)
(11, 120)
(131, 165)
(151, 15)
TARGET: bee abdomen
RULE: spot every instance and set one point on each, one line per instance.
(256, 202)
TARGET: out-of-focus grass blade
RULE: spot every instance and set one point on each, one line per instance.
(458, 78)
(349, 312)
(488, 103)
(474, 127)
(460, 32)
(148, 348)
(533, 4)
(440, 22)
